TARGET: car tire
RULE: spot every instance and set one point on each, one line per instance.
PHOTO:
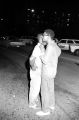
(77, 52)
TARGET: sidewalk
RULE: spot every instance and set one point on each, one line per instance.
(23, 54)
(69, 57)
(16, 56)
(66, 56)
(16, 107)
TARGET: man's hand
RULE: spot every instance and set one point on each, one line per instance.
(43, 60)
(34, 67)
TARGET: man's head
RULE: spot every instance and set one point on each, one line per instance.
(40, 38)
(48, 35)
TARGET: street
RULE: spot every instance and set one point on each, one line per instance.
(14, 88)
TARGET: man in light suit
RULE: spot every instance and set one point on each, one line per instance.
(49, 70)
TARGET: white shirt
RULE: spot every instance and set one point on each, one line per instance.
(37, 53)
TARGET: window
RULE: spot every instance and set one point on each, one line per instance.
(63, 41)
(70, 41)
(77, 42)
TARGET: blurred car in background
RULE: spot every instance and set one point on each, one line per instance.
(26, 40)
(63, 44)
(16, 44)
(23, 41)
(13, 41)
(71, 45)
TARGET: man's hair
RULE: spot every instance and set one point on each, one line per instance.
(50, 32)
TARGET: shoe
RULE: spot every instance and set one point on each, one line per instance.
(42, 113)
(33, 104)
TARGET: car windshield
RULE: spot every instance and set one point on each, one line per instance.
(62, 41)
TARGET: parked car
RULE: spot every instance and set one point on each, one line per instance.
(26, 40)
(29, 40)
(16, 44)
(71, 45)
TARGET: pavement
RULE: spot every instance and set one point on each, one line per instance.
(14, 90)
(70, 57)
(26, 51)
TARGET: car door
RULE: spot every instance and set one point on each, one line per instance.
(63, 45)
(70, 43)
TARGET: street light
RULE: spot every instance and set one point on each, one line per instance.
(32, 10)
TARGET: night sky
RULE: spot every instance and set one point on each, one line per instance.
(9, 7)
(13, 11)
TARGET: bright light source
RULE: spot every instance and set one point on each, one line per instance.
(67, 25)
(28, 9)
(2, 19)
(32, 10)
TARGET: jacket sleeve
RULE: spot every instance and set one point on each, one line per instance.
(34, 53)
(51, 55)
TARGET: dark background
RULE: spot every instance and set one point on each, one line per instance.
(13, 15)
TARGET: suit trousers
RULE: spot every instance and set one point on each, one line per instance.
(47, 92)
